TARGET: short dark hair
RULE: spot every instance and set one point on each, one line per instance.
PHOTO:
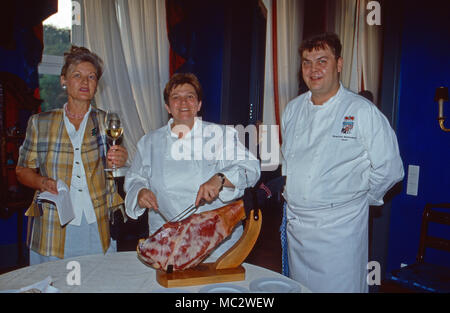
(179, 79)
(320, 41)
(77, 55)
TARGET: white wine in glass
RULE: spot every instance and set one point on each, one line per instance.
(114, 131)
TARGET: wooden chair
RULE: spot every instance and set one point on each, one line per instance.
(422, 276)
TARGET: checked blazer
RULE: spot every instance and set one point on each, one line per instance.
(47, 147)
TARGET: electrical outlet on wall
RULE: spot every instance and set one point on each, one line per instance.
(412, 185)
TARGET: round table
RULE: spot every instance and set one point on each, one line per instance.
(117, 272)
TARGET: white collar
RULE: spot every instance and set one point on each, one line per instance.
(197, 124)
(329, 101)
(82, 124)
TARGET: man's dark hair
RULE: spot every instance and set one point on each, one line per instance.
(366, 94)
(318, 42)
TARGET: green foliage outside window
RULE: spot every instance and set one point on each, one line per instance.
(51, 92)
(56, 42)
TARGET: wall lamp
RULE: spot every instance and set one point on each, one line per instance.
(441, 96)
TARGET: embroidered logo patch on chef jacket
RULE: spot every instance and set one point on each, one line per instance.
(347, 125)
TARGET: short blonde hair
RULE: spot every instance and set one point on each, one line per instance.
(77, 55)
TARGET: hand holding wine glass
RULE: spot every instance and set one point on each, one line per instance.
(114, 131)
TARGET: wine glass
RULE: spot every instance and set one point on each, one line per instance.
(113, 130)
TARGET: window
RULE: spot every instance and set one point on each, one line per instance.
(60, 31)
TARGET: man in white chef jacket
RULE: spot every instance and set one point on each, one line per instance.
(340, 155)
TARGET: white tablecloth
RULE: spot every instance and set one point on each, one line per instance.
(117, 272)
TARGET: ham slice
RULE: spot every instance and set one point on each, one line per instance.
(184, 244)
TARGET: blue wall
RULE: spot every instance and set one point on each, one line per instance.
(22, 61)
(425, 65)
(199, 38)
(209, 57)
(9, 230)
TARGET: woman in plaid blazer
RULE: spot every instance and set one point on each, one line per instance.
(69, 144)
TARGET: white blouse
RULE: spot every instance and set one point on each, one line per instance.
(79, 191)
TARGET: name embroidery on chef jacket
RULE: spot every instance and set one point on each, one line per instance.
(347, 129)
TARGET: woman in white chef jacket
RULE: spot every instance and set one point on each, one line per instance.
(188, 161)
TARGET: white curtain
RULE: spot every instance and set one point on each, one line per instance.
(370, 53)
(131, 38)
(361, 46)
(347, 31)
(269, 100)
(289, 34)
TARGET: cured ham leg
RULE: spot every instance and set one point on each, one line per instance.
(186, 243)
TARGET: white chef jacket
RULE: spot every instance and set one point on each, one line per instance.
(79, 191)
(173, 169)
(339, 158)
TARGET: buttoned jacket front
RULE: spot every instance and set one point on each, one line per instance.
(47, 146)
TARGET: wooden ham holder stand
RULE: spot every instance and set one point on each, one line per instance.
(227, 268)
